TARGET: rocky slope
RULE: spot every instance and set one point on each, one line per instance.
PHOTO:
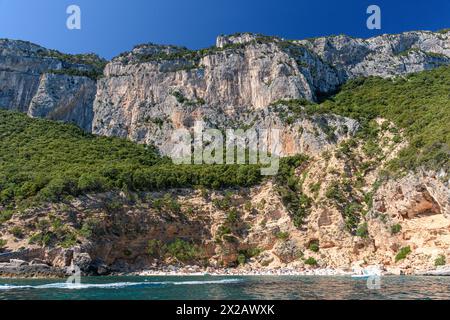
(250, 228)
(337, 209)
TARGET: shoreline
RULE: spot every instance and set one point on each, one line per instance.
(217, 275)
(244, 273)
(18, 269)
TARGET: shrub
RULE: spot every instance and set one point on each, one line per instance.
(232, 216)
(224, 203)
(241, 259)
(5, 216)
(17, 232)
(403, 253)
(396, 228)
(42, 238)
(171, 204)
(2, 244)
(244, 255)
(352, 214)
(262, 204)
(68, 239)
(335, 193)
(314, 246)
(315, 187)
(91, 183)
(440, 261)
(223, 230)
(282, 236)
(89, 227)
(363, 230)
(155, 248)
(252, 252)
(43, 225)
(248, 206)
(311, 262)
(59, 187)
(182, 251)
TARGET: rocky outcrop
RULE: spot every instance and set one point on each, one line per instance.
(421, 194)
(384, 56)
(46, 83)
(152, 90)
(21, 67)
(65, 98)
(21, 268)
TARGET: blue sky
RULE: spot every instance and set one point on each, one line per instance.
(112, 26)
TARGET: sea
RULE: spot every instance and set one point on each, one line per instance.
(229, 288)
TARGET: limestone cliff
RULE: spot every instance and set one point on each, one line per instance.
(347, 211)
(46, 83)
(147, 93)
(152, 90)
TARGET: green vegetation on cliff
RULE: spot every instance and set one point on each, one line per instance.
(42, 160)
(94, 65)
(289, 186)
(418, 104)
(403, 253)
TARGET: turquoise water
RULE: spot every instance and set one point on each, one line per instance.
(226, 288)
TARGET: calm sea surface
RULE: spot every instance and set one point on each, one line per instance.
(225, 288)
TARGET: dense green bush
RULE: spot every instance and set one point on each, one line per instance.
(179, 249)
(290, 190)
(417, 103)
(311, 262)
(314, 246)
(241, 259)
(396, 228)
(182, 250)
(5, 216)
(363, 230)
(2, 244)
(440, 261)
(403, 253)
(47, 161)
(282, 235)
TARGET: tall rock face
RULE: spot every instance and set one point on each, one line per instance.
(384, 56)
(66, 98)
(46, 83)
(152, 90)
(146, 94)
